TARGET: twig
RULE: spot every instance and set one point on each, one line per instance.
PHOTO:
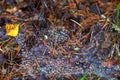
(76, 23)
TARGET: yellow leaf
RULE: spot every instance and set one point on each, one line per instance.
(12, 29)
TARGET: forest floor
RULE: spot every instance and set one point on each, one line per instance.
(59, 40)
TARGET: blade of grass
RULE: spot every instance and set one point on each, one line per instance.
(84, 77)
(116, 26)
(118, 14)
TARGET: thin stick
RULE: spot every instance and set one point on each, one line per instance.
(76, 23)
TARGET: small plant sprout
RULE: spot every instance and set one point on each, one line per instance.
(84, 77)
(76, 49)
(104, 17)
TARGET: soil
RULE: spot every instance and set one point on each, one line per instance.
(60, 40)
